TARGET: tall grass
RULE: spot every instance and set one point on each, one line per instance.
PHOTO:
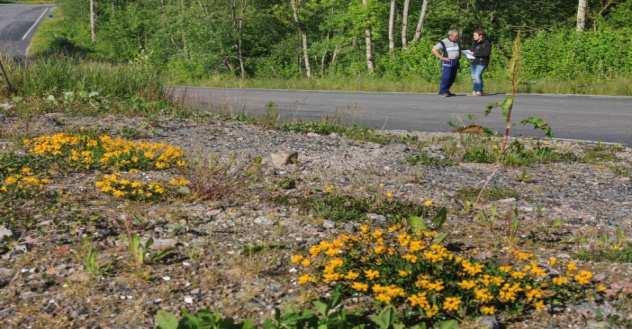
(57, 74)
(621, 86)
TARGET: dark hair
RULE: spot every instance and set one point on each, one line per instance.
(479, 31)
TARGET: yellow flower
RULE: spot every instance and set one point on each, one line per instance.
(482, 295)
(536, 271)
(533, 294)
(505, 268)
(295, 259)
(539, 305)
(601, 287)
(415, 245)
(359, 286)
(472, 269)
(428, 203)
(583, 277)
(488, 310)
(403, 273)
(451, 303)
(10, 180)
(560, 280)
(522, 255)
(410, 258)
(467, 284)
(389, 195)
(371, 274)
(431, 311)
(306, 262)
(552, 261)
(305, 278)
(518, 275)
(571, 267)
(419, 300)
(351, 275)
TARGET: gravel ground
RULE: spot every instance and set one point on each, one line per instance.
(563, 208)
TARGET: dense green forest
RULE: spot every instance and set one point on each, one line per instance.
(195, 40)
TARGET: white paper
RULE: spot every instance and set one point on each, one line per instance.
(468, 54)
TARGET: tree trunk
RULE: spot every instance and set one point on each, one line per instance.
(368, 41)
(581, 14)
(295, 7)
(420, 23)
(391, 28)
(93, 22)
(238, 25)
(405, 24)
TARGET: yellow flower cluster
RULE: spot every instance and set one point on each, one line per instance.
(104, 151)
(24, 182)
(121, 187)
(411, 271)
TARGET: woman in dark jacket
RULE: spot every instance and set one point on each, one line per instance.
(481, 49)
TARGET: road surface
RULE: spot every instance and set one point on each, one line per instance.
(595, 118)
(17, 25)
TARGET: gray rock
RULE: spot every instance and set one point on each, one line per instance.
(5, 233)
(328, 224)
(5, 276)
(379, 219)
(488, 322)
(164, 244)
(281, 159)
(6, 106)
(592, 324)
(263, 220)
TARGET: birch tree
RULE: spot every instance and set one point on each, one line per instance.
(405, 23)
(93, 21)
(581, 14)
(368, 39)
(238, 26)
(296, 4)
(422, 18)
(391, 27)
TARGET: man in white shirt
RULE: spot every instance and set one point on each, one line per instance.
(448, 51)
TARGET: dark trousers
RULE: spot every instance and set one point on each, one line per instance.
(448, 75)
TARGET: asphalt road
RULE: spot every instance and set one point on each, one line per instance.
(17, 25)
(595, 118)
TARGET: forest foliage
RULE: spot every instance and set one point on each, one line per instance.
(193, 40)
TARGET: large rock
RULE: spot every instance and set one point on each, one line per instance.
(5, 233)
(281, 159)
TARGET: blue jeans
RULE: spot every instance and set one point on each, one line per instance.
(477, 76)
(448, 75)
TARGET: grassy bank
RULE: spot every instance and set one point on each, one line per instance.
(618, 86)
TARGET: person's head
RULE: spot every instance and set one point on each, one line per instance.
(479, 34)
(453, 35)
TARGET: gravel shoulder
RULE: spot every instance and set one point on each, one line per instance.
(232, 251)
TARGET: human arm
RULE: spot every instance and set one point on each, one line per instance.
(438, 54)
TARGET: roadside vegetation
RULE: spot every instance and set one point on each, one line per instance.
(255, 44)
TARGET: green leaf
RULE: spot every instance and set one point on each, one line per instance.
(248, 324)
(385, 319)
(449, 324)
(506, 106)
(417, 223)
(439, 237)
(336, 297)
(321, 307)
(166, 320)
(440, 218)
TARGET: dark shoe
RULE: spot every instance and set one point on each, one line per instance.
(449, 94)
